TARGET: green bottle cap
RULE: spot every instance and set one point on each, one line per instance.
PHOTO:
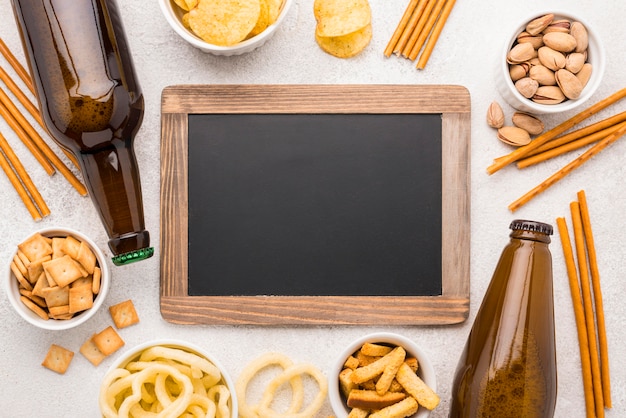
(132, 256)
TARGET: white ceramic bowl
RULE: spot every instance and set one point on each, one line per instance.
(134, 353)
(596, 57)
(173, 15)
(425, 370)
(13, 294)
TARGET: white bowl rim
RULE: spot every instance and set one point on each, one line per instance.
(185, 345)
(51, 324)
(243, 46)
(425, 370)
(598, 61)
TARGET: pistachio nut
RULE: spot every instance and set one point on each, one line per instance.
(516, 72)
(528, 122)
(527, 86)
(560, 41)
(548, 95)
(536, 26)
(543, 75)
(584, 74)
(520, 53)
(513, 135)
(559, 25)
(579, 32)
(534, 61)
(551, 58)
(574, 62)
(495, 115)
(570, 84)
(535, 41)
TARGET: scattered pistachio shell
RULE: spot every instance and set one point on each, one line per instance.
(495, 115)
(528, 122)
(513, 135)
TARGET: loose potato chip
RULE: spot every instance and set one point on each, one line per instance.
(224, 22)
(346, 46)
(341, 17)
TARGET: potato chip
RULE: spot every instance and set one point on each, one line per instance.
(264, 19)
(224, 22)
(341, 17)
(346, 46)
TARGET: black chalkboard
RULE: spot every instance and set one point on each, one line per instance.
(307, 204)
(315, 204)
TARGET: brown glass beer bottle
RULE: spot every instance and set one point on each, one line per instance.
(92, 106)
(508, 365)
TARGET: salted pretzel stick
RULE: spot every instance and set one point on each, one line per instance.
(413, 47)
(567, 147)
(19, 69)
(579, 315)
(43, 146)
(410, 27)
(597, 298)
(434, 36)
(554, 132)
(401, 27)
(19, 187)
(422, 14)
(599, 146)
(24, 177)
(8, 116)
(583, 272)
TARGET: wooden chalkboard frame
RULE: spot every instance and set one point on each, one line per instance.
(452, 306)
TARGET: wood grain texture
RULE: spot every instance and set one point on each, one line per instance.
(451, 307)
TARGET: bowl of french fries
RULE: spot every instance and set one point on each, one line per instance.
(383, 374)
(225, 27)
(58, 278)
(170, 377)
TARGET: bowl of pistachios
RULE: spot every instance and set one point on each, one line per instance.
(553, 62)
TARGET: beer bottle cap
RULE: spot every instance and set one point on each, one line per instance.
(132, 256)
(525, 225)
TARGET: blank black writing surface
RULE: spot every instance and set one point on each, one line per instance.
(315, 204)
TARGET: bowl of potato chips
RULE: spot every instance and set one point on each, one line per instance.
(225, 27)
(383, 374)
(172, 377)
(58, 278)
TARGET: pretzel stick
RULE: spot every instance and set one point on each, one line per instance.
(599, 146)
(19, 187)
(43, 146)
(597, 297)
(27, 140)
(401, 27)
(570, 146)
(579, 315)
(419, 26)
(432, 41)
(24, 177)
(583, 271)
(554, 132)
(410, 27)
(427, 22)
(19, 69)
(581, 133)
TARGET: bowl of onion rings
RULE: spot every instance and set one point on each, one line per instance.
(170, 377)
(385, 373)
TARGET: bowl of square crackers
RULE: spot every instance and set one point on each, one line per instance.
(381, 375)
(57, 279)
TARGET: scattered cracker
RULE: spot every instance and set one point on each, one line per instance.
(58, 359)
(91, 352)
(124, 314)
(108, 341)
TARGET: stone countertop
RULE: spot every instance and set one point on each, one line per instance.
(465, 55)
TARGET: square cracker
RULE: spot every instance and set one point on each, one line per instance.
(35, 247)
(124, 314)
(90, 351)
(58, 359)
(108, 341)
(56, 296)
(80, 298)
(63, 271)
(86, 257)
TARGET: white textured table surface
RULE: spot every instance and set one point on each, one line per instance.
(465, 55)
